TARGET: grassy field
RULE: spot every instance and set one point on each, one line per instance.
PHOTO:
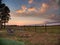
(4, 41)
(33, 35)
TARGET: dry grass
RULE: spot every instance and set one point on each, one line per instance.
(35, 35)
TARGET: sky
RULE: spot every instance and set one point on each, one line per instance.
(30, 12)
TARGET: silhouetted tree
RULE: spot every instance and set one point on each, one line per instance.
(5, 18)
(4, 14)
(0, 1)
(0, 13)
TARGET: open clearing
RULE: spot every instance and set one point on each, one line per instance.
(34, 35)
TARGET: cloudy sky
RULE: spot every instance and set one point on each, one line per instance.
(28, 12)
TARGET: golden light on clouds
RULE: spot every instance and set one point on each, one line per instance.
(44, 7)
(32, 9)
(23, 7)
(25, 22)
(26, 10)
(30, 1)
(36, 11)
(22, 10)
(42, 10)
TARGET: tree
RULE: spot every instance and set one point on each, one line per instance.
(4, 14)
(5, 18)
(0, 13)
(0, 1)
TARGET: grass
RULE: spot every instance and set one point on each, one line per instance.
(39, 36)
(9, 42)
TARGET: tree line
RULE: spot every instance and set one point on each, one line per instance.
(4, 14)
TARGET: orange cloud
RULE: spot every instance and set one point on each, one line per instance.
(32, 9)
(22, 10)
(30, 1)
(23, 7)
(44, 7)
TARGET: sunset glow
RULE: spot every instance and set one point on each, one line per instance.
(29, 12)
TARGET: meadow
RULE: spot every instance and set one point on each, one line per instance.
(33, 35)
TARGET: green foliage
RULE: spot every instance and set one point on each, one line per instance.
(9, 42)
